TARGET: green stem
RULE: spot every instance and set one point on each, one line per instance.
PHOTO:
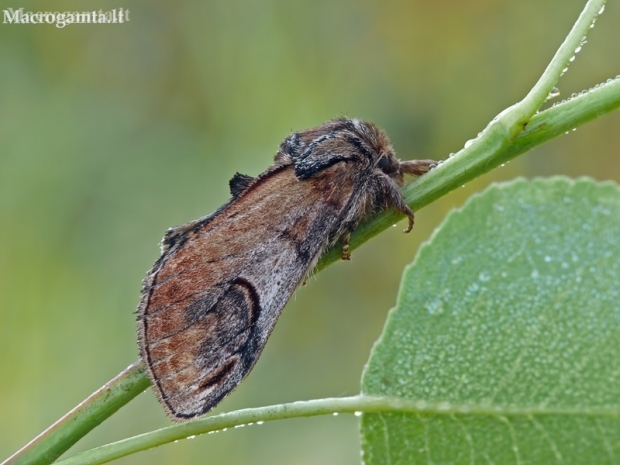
(503, 139)
(356, 404)
(58, 438)
(558, 64)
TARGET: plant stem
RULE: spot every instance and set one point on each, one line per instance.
(92, 411)
(355, 404)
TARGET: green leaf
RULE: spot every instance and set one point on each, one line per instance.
(507, 333)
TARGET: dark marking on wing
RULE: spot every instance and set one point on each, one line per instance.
(290, 237)
(218, 376)
(215, 338)
(252, 296)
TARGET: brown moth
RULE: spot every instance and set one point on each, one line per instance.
(212, 299)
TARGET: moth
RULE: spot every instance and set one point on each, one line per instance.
(212, 299)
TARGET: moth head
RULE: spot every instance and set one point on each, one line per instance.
(383, 159)
(382, 156)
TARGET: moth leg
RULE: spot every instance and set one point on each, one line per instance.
(417, 167)
(402, 207)
(346, 254)
(411, 217)
(392, 196)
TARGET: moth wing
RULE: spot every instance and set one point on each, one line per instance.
(212, 299)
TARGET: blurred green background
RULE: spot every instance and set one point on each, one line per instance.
(109, 134)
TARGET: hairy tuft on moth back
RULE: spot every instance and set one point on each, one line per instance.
(213, 297)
